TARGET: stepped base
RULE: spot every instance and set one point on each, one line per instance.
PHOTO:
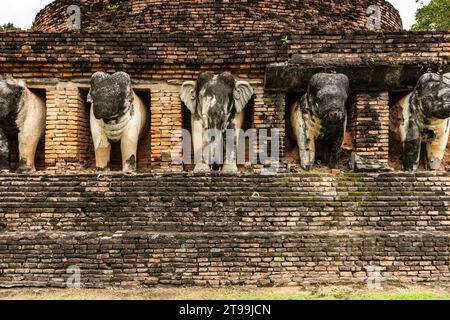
(219, 229)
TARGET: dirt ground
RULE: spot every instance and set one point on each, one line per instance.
(232, 293)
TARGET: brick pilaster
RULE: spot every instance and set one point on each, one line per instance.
(67, 136)
(269, 112)
(166, 123)
(371, 126)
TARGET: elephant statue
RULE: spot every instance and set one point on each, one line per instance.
(216, 103)
(22, 117)
(117, 115)
(321, 114)
(424, 119)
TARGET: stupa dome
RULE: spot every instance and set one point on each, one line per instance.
(217, 15)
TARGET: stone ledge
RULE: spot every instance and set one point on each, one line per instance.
(306, 174)
(155, 235)
(367, 77)
(227, 203)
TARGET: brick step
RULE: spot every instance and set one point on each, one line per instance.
(191, 258)
(227, 219)
(227, 203)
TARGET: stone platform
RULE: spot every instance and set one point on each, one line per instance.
(184, 229)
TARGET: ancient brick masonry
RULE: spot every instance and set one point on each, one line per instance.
(185, 229)
(153, 56)
(67, 123)
(181, 229)
(371, 126)
(232, 16)
(166, 123)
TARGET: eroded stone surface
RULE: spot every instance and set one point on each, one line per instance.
(216, 103)
(424, 119)
(22, 117)
(117, 115)
(321, 114)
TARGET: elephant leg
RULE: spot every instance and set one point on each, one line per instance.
(411, 146)
(198, 143)
(436, 148)
(130, 138)
(311, 151)
(129, 154)
(232, 140)
(27, 151)
(306, 145)
(4, 152)
(300, 131)
(230, 165)
(102, 156)
(102, 146)
(31, 130)
(334, 140)
(102, 149)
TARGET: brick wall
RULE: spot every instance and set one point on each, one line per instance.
(67, 134)
(371, 126)
(166, 125)
(269, 113)
(180, 229)
(170, 56)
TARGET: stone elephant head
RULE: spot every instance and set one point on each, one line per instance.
(321, 114)
(432, 94)
(110, 95)
(425, 119)
(11, 92)
(22, 117)
(216, 102)
(327, 94)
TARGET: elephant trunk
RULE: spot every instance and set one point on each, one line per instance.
(104, 112)
(336, 115)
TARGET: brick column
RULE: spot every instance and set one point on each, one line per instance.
(269, 112)
(67, 136)
(371, 127)
(166, 120)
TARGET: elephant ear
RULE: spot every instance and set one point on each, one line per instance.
(344, 81)
(427, 81)
(242, 95)
(446, 78)
(11, 94)
(96, 78)
(123, 82)
(187, 95)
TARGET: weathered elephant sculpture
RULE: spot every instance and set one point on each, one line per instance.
(117, 115)
(22, 116)
(216, 102)
(425, 116)
(321, 114)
